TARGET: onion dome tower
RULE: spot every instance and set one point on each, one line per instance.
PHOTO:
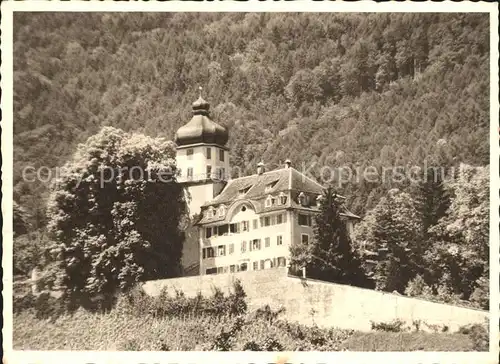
(201, 129)
(202, 155)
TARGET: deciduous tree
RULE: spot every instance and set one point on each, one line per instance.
(115, 213)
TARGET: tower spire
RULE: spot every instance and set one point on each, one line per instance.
(200, 89)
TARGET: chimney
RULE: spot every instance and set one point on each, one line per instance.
(260, 168)
(288, 163)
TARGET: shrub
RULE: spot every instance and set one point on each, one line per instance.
(224, 341)
(137, 302)
(266, 313)
(479, 334)
(23, 302)
(392, 326)
(267, 344)
(237, 303)
(44, 305)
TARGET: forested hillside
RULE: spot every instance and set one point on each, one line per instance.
(335, 89)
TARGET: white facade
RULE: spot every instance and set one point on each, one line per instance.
(202, 161)
(249, 241)
(204, 169)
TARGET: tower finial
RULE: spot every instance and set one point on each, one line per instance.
(200, 89)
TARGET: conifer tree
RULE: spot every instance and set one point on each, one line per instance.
(395, 233)
(330, 255)
(431, 199)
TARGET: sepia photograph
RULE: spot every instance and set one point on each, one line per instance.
(240, 181)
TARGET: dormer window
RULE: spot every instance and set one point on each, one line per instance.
(243, 191)
(269, 201)
(302, 199)
(210, 213)
(270, 186)
(222, 211)
(282, 199)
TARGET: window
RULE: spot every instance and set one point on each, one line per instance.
(220, 173)
(232, 268)
(210, 252)
(234, 228)
(261, 264)
(281, 262)
(220, 270)
(222, 230)
(268, 201)
(209, 153)
(305, 220)
(243, 191)
(255, 265)
(302, 199)
(221, 155)
(208, 232)
(189, 153)
(255, 224)
(190, 173)
(256, 244)
(231, 248)
(270, 186)
(221, 250)
(209, 171)
(210, 214)
(211, 271)
(267, 242)
(243, 246)
(279, 219)
(243, 267)
(204, 253)
(267, 221)
(282, 199)
(305, 238)
(222, 211)
(244, 226)
(279, 240)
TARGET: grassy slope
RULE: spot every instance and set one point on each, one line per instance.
(118, 331)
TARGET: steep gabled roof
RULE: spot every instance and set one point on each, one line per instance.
(281, 180)
(254, 189)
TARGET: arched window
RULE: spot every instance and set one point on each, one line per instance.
(210, 213)
(222, 211)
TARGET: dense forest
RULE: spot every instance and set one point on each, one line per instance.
(332, 89)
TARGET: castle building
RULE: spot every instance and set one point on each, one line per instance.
(246, 223)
